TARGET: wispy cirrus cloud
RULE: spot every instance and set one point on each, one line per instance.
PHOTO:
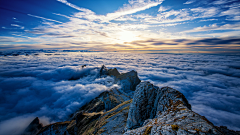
(43, 18)
(215, 27)
(162, 8)
(76, 7)
(189, 2)
(132, 7)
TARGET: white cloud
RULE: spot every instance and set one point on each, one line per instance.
(87, 11)
(216, 27)
(206, 12)
(16, 25)
(86, 29)
(133, 7)
(41, 87)
(231, 12)
(189, 2)
(161, 8)
(235, 18)
(208, 20)
(44, 18)
(219, 2)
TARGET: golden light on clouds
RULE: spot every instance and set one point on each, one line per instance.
(126, 36)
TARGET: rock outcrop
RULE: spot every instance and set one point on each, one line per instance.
(104, 71)
(135, 108)
(164, 111)
(227, 131)
(59, 128)
(128, 81)
(105, 101)
(33, 127)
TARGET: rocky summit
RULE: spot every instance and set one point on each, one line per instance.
(133, 108)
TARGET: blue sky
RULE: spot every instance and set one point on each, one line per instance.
(204, 26)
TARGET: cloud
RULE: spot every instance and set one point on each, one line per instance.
(76, 7)
(216, 41)
(44, 18)
(189, 2)
(41, 87)
(218, 2)
(133, 7)
(89, 30)
(205, 12)
(15, 125)
(161, 8)
(16, 25)
(231, 11)
(46, 92)
(215, 27)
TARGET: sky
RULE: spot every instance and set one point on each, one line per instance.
(174, 26)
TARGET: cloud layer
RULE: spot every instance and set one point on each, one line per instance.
(33, 86)
(44, 90)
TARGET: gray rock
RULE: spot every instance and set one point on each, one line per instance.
(164, 111)
(142, 104)
(103, 71)
(105, 101)
(149, 100)
(58, 128)
(128, 81)
(227, 131)
(33, 127)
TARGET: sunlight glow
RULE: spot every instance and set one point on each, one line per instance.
(126, 36)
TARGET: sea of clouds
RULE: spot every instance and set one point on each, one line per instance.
(39, 86)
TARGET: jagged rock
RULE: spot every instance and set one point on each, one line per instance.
(58, 128)
(105, 101)
(83, 66)
(149, 100)
(113, 72)
(227, 131)
(128, 81)
(33, 127)
(142, 105)
(15, 54)
(104, 123)
(103, 71)
(169, 114)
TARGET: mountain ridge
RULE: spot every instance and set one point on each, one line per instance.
(134, 108)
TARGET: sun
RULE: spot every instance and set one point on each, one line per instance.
(126, 36)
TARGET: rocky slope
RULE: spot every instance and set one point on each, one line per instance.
(134, 108)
